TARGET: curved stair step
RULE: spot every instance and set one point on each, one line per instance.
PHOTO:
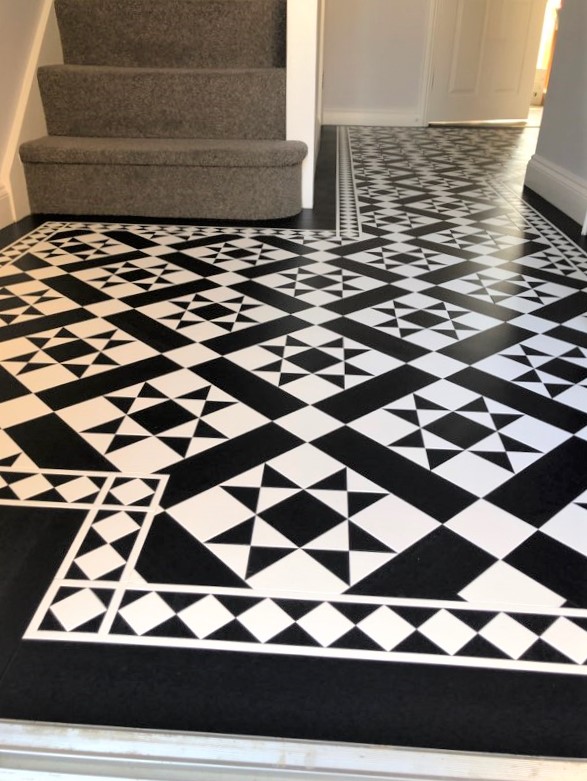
(176, 178)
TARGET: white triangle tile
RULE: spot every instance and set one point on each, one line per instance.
(269, 497)
(359, 484)
(363, 563)
(415, 454)
(336, 539)
(265, 536)
(491, 444)
(298, 572)
(336, 500)
(236, 557)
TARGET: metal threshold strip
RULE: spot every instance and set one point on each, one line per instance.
(37, 751)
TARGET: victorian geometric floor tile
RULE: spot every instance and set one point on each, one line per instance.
(345, 462)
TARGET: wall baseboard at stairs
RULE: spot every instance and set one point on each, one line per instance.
(333, 116)
(6, 214)
(558, 186)
(90, 752)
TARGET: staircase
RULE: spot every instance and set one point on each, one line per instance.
(167, 108)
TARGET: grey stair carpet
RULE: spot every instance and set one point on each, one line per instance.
(162, 110)
(164, 102)
(173, 33)
(258, 180)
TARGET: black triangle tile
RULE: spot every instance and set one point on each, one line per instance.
(238, 535)
(438, 457)
(499, 459)
(355, 612)
(416, 616)
(359, 501)
(356, 640)
(418, 644)
(179, 445)
(274, 479)
(120, 627)
(475, 619)
(178, 601)
(425, 404)
(174, 627)
(534, 622)
(360, 540)
(123, 441)
(501, 420)
(513, 446)
(261, 558)
(296, 636)
(541, 651)
(337, 562)
(234, 632)
(411, 416)
(415, 439)
(336, 482)
(245, 495)
(237, 604)
(206, 431)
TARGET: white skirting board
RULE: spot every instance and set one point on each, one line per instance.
(333, 116)
(6, 214)
(38, 751)
(565, 190)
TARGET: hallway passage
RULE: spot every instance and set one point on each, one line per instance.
(323, 482)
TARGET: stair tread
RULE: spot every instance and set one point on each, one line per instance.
(132, 70)
(164, 102)
(173, 32)
(223, 153)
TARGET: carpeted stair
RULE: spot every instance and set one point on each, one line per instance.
(167, 108)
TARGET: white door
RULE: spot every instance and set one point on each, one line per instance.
(484, 59)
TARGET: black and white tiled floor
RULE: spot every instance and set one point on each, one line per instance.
(365, 444)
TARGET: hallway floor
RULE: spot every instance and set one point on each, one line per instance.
(319, 482)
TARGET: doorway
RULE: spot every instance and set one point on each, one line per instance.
(490, 60)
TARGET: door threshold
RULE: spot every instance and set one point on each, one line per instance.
(31, 750)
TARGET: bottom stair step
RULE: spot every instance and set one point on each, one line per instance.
(183, 178)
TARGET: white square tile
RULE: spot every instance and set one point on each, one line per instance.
(145, 613)
(568, 638)
(502, 584)
(569, 526)
(115, 526)
(386, 628)
(447, 632)
(308, 423)
(325, 624)
(265, 620)
(99, 562)
(205, 616)
(508, 635)
(77, 609)
(491, 528)
(306, 465)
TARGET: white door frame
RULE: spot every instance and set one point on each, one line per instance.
(428, 66)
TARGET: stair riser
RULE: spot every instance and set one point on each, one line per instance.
(170, 192)
(139, 103)
(173, 33)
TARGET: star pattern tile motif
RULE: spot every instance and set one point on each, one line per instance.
(366, 442)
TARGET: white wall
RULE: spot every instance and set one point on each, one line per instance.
(305, 19)
(18, 24)
(558, 170)
(375, 61)
(28, 35)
